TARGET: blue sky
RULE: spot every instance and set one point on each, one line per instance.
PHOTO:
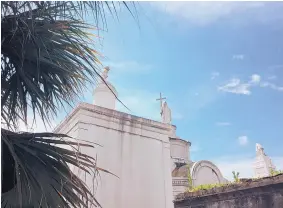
(219, 65)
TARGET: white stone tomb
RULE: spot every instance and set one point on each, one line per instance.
(146, 155)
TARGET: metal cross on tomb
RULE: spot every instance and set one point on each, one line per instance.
(161, 99)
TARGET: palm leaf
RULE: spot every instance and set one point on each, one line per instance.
(47, 59)
(37, 174)
(47, 55)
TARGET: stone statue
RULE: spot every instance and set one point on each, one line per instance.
(262, 165)
(258, 147)
(105, 73)
(166, 113)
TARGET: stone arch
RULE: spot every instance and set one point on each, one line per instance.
(201, 175)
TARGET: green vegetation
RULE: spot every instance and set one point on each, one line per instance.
(236, 176)
(210, 186)
(275, 172)
(236, 180)
(207, 187)
(189, 176)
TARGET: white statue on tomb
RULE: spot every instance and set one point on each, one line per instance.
(262, 164)
(105, 73)
(166, 113)
(258, 147)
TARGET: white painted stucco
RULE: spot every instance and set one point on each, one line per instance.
(201, 172)
(141, 152)
(104, 95)
(180, 185)
(137, 150)
(179, 150)
(205, 172)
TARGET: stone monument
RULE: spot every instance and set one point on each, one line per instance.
(146, 155)
(135, 149)
(166, 113)
(200, 172)
(263, 164)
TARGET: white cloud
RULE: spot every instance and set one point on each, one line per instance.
(272, 86)
(242, 164)
(255, 79)
(238, 57)
(204, 13)
(223, 124)
(235, 86)
(243, 140)
(214, 75)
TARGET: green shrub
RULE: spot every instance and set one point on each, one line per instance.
(236, 176)
(275, 172)
(207, 187)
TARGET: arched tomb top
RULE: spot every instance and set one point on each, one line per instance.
(202, 165)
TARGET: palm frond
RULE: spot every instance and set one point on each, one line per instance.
(37, 173)
(47, 55)
(47, 59)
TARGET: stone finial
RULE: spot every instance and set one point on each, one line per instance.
(105, 94)
(105, 72)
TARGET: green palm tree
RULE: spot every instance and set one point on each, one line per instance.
(47, 59)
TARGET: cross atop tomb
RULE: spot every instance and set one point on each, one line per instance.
(161, 99)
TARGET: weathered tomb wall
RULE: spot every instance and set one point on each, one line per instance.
(137, 150)
(260, 193)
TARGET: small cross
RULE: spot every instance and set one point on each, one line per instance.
(161, 98)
